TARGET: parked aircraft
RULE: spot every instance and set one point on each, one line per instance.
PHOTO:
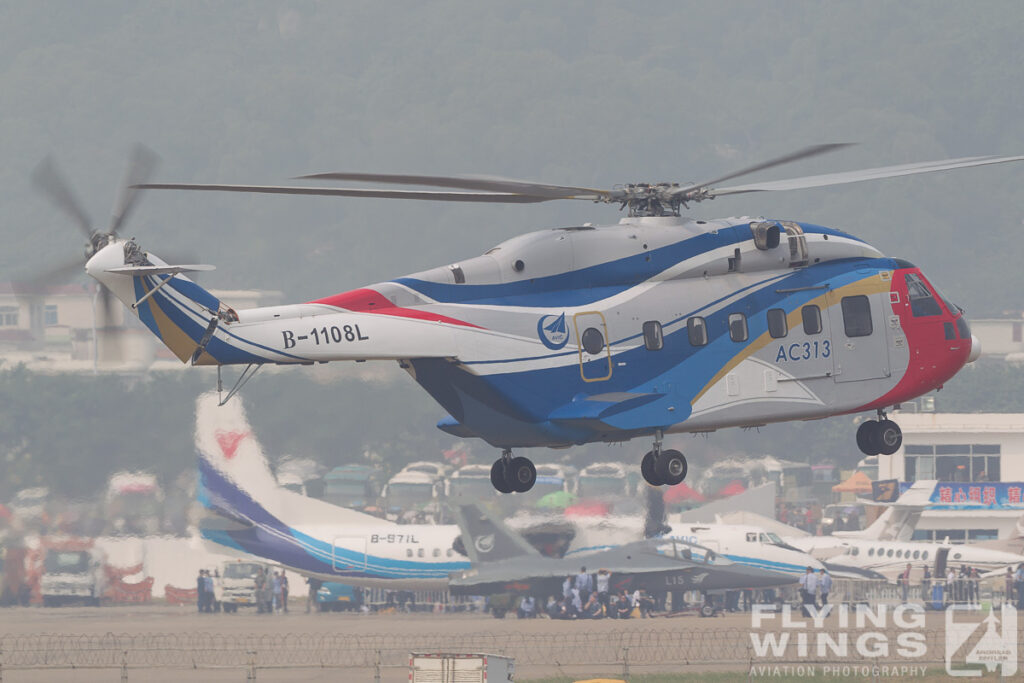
(885, 547)
(256, 516)
(503, 562)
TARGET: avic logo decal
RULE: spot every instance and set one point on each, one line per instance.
(552, 331)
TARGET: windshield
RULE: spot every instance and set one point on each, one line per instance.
(66, 562)
(601, 486)
(346, 490)
(241, 570)
(689, 551)
(773, 538)
(406, 495)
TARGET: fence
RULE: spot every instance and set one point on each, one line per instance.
(651, 649)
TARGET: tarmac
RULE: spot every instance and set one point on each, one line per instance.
(175, 643)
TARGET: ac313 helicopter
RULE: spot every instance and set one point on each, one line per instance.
(658, 324)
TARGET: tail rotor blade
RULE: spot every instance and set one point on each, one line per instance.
(141, 166)
(48, 179)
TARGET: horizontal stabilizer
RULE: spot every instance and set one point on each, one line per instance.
(601, 406)
(161, 270)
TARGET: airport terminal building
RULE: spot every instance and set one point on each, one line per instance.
(978, 458)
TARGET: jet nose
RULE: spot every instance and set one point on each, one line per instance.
(975, 349)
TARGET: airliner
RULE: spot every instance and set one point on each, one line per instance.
(253, 515)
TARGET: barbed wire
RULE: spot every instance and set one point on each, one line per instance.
(644, 646)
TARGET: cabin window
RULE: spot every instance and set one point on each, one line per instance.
(50, 314)
(857, 316)
(408, 552)
(697, 330)
(751, 538)
(811, 316)
(449, 552)
(922, 302)
(917, 554)
(653, 339)
(887, 554)
(419, 553)
(738, 327)
(457, 273)
(871, 552)
(592, 340)
(777, 325)
(924, 555)
(856, 551)
(437, 552)
(949, 330)
(899, 553)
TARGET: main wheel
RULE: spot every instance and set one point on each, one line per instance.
(888, 437)
(670, 467)
(866, 437)
(521, 474)
(498, 480)
(648, 471)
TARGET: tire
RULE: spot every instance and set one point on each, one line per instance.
(671, 467)
(707, 610)
(866, 438)
(888, 437)
(498, 477)
(648, 471)
(498, 612)
(522, 475)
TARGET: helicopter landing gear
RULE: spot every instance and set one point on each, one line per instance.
(513, 475)
(663, 467)
(882, 436)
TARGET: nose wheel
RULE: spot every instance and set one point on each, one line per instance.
(882, 436)
(513, 475)
(663, 467)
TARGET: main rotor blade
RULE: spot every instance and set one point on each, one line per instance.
(494, 197)
(804, 153)
(140, 167)
(48, 179)
(866, 174)
(485, 183)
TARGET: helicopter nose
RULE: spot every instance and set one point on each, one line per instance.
(975, 349)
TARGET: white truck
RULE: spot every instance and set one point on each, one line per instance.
(72, 575)
(236, 586)
(440, 667)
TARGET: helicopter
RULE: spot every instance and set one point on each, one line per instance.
(659, 324)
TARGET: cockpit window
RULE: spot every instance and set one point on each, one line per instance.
(922, 302)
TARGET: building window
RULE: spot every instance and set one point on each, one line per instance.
(8, 316)
(812, 319)
(697, 330)
(856, 316)
(653, 339)
(777, 325)
(738, 327)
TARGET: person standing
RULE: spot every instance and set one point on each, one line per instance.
(824, 586)
(603, 578)
(313, 588)
(905, 582)
(808, 585)
(284, 591)
(926, 583)
(200, 592)
(276, 598)
(208, 581)
(584, 584)
(1008, 587)
(1018, 586)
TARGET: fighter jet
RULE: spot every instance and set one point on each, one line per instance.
(503, 562)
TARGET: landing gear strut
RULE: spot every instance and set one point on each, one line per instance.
(882, 436)
(663, 467)
(513, 475)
